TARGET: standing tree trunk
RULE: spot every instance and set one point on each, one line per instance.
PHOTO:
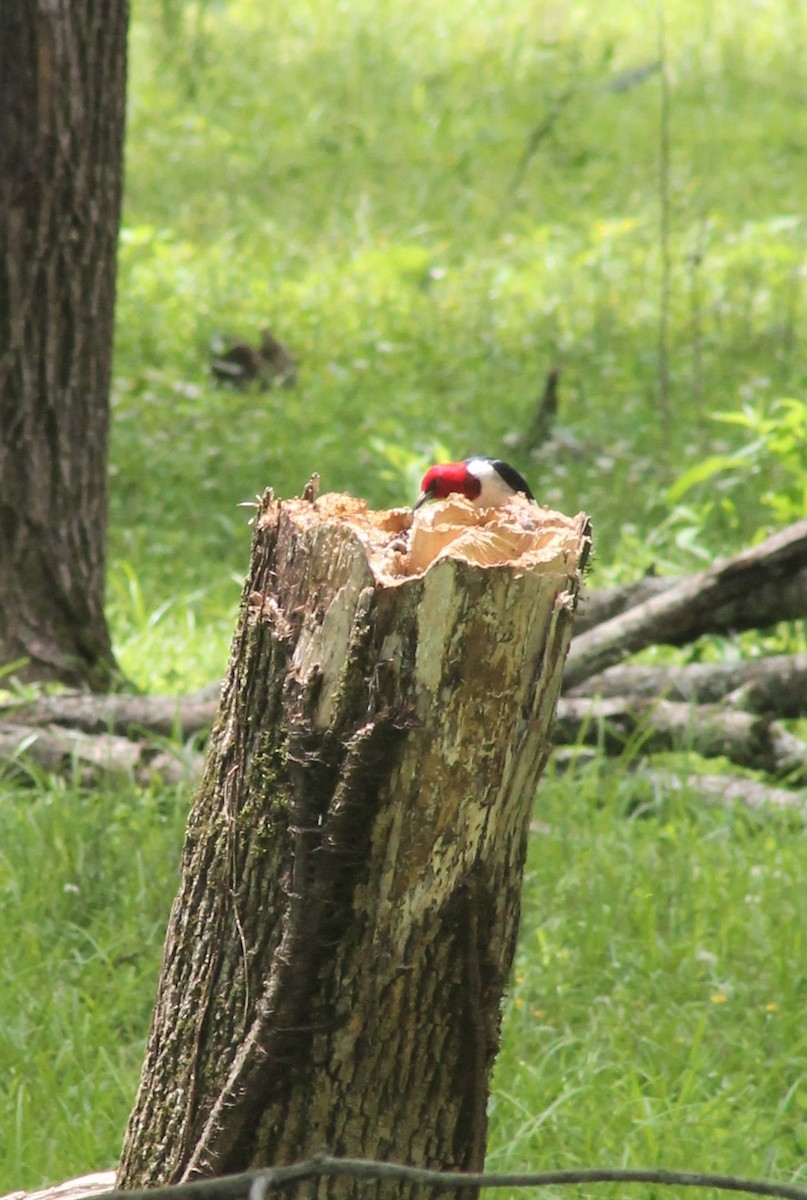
(349, 900)
(63, 72)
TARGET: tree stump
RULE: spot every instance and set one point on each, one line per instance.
(350, 884)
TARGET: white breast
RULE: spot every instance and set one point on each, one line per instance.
(494, 489)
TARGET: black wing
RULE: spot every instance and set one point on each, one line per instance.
(511, 477)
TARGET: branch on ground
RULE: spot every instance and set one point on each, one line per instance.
(657, 725)
(728, 790)
(775, 685)
(254, 1185)
(719, 600)
(87, 757)
(759, 587)
(163, 716)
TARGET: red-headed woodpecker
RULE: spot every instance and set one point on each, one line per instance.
(486, 482)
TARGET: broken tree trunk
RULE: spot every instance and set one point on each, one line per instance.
(349, 899)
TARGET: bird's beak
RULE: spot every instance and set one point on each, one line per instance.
(422, 498)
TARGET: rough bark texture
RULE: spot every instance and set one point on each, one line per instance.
(349, 898)
(63, 68)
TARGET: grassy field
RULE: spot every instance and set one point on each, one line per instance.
(432, 205)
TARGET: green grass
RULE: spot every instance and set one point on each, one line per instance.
(350, 177)
(357, 178)
(656, 1011)
(656, 1015)
(86, 881)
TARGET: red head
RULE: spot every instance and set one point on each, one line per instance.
(447, 479)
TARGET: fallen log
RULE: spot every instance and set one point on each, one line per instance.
(728, 790)
(710, 730)
(89, 757)
(775, 685)
(164, 716)
(602, 604)
(705, 603)
(783, 600)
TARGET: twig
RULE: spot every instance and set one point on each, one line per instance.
(696, 322)
(254, 1185)
(537, 135)
(664, 227)
(629, 79)
(540, 428)
(357, 1168)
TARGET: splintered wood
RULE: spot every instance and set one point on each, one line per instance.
(401, 544)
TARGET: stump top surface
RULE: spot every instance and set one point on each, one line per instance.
(401, 544)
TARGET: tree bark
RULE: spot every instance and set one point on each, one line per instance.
(63, 67)
(349, 899)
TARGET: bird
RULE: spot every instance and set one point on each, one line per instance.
(486, 482)
(240, 364)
